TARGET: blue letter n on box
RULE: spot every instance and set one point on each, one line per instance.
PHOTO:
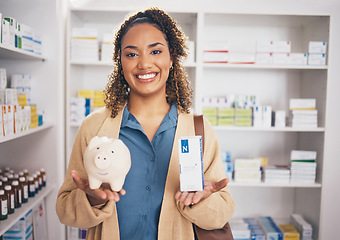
(184, 145)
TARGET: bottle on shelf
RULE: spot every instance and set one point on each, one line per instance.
(3, 205)
(17, 193)
(43, 174)
(36, 182)
(40, 180)
(4, 181)
(24, 186)
(26, 173)
(10, 198)
(31, 186)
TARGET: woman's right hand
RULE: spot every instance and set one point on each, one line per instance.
(96, 196)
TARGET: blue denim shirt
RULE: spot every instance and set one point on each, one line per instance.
(139, 210)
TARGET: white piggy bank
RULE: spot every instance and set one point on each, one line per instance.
(107, 160)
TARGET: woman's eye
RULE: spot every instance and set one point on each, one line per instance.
(156, 52)
(131, 55)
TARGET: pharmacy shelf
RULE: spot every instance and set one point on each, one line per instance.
(281, 185)
(100, 63)
(75, 125)
(263, 66)
(7, 52)
(92, 63)
(268, 129)
(25, 133)
(20, 212)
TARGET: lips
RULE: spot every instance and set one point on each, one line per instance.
(146, 77)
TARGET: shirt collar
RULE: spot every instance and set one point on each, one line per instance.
(170, 117)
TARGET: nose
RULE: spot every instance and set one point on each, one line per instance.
(145, 62)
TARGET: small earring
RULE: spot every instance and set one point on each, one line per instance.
(122, 72)
(171, 68)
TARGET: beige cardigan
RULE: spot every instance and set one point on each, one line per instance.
(176, 220)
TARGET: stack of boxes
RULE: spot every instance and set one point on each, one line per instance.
(247, 170)
(107, 48)
(304, 113)
(289, 232)
(256, 232)
(20, 36)
(265, 227)
(17, 114)
(225, 111)
(191, 53)
(303, 167)
(209, 109)
(317, 53)
(23, 229)
(228, 165)
(266, 52)
(22, 83)
(216, 52)
(84, 44)
(270, 228)
(85, 102)
(239, 229)
(302, 226)
(277, 174)
(241, 110)
(273, 52)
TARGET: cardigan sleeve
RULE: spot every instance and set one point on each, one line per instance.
(72, 206)
(216, 210)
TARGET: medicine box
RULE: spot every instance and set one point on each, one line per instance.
(289, 232)
(22, 229)
(191, 163)
(264, 58)
(281, 46)
(281, 58)
(264, 46)
(298, 58)
(302, 104)
(317, 47)
(317, 59)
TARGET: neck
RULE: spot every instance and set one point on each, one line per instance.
(148, 107)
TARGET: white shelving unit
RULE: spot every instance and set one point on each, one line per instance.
(41, 147)
(26, 133)
(21, 212)
(241, 25)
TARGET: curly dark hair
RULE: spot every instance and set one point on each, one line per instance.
(178, 87)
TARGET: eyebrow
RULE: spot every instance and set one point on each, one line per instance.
(150, 45)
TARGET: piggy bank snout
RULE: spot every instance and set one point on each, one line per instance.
(102, 161)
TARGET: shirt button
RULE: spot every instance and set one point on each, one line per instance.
(148, 188)
(144, 217)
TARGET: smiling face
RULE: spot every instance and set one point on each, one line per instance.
(146, 60)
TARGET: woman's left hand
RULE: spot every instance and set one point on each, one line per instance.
(190, 198)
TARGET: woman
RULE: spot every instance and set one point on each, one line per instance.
(147, 106)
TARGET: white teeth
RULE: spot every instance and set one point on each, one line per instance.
(146, 76)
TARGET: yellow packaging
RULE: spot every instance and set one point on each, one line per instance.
(98, 100)
(243, 112)
(85, 93)
(209, 111)
(212, 120)
(289, 232)
(22, 99)
(223, 121)
(226, 112)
